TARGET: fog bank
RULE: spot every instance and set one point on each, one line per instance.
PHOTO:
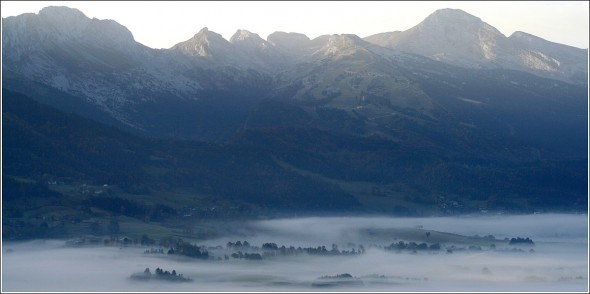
(558, 262)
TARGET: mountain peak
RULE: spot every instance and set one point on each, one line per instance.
(249, 41)
(294, 43)
(204, 43)
(344, 41)
(65, 21)
(453, 35)
(61, 12)
(453, 14)
(452, 20)
(340, 45)
(61, 25)
(71, 21)
(287, 39)
(206, 35)
(243, 35)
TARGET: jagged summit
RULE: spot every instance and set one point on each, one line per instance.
(340, 45)
(250, 42)
(206, 32)
(66, 22)
(449, 35)
(243, 35)
(208, 35)
(204, 43)
(63, 26)
(70, 20)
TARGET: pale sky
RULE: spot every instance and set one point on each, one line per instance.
(163, 24)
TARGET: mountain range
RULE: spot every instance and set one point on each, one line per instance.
(449, 108)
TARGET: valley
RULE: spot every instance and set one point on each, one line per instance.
(98, 128)
(319, 254)
(444, 157)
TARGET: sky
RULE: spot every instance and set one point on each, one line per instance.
(162, 24)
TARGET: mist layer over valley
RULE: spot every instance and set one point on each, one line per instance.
(474, 255)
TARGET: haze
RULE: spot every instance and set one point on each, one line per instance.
(559, 262)
(160, 24)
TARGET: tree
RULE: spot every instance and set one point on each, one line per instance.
(519, 240)
(253, 256)
(270, 246)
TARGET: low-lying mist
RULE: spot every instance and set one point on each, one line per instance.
(557, 262)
